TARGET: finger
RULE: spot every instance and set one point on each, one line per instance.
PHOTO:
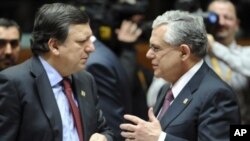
(128, 127)
(138, 32)
(94, 137)
(117, 31)
(125, 25)
(133, 27)
(129, 135)
(133, 119)
(151, 115)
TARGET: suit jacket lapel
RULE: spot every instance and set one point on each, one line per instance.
(183, 99)
(47, 98)
(176, 107)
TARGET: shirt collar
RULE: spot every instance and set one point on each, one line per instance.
(181, 83)
(52, 73)
(233, 45)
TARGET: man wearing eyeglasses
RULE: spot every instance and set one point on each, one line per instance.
(197, 105)
(10, 35)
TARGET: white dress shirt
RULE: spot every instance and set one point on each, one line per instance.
(179, 85)
(69, 130)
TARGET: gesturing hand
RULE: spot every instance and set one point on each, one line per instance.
(128, 32)
(97, 137)
(141, 130)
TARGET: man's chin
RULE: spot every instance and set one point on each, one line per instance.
(221, 36)
(6, 65)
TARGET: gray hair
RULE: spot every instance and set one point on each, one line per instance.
(184, 28)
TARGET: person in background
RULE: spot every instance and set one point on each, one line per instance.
(154, 89)
(198, 105)
(223, 51)
(139, 77)
(50, 96)
(118, 25)
(112, 83)
(10, 36)
(236, 59)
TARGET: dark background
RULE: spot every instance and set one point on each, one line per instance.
(23, 11)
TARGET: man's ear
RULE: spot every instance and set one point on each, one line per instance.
(185, 51)
(53, 46)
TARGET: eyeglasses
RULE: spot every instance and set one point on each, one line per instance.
(14, 43)
(157, 49)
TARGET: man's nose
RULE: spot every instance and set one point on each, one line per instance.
(8, 49)
(150, 54)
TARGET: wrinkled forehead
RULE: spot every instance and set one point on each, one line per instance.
(79, 31)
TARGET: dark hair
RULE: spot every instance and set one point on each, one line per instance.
(10, 23)
(53, 21)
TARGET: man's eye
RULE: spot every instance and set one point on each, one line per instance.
(81, 42)
(156, 49)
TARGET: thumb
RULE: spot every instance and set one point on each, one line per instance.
(117, 31)
(151, 115)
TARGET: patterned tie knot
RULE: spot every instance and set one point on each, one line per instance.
(169, 95)
(66, 84)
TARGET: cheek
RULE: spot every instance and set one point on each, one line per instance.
(16, 52)
(231, 24)
(170, 61)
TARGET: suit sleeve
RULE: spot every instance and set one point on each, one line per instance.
(9, 110)
(109, 97)
(219, 111)
(102, 126)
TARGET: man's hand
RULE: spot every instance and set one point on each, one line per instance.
(128, 32)
(97, 137)
(211, 41)
(141, 130)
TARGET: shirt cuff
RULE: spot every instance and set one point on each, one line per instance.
(162, 136)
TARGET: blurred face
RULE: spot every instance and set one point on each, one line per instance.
(165, 59)
(9, 46)
(228, 21)
(74, 52)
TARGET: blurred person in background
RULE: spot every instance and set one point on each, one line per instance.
(111, 74)
(10, 36)
(112, 85)
(118, 25)
(228, 59)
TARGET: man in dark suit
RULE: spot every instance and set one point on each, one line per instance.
(33, 103)
(112, 82)
(202, 106)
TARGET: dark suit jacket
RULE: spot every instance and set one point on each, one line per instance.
(113, 88)
(203, 111)
(28, 109)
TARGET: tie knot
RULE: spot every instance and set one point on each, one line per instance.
(169, 95)
(66, 83)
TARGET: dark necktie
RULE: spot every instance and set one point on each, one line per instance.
(168, 99)
(73, 107)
